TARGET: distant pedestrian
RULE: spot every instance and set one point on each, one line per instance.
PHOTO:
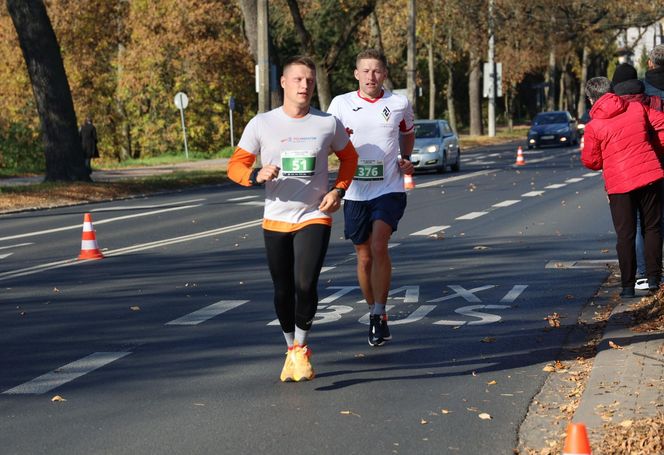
(88, 134)
(617, 141)
(654, 79)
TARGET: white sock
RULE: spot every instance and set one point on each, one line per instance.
(379, 308)
(301, 336)
(290, 338)
(371, 308)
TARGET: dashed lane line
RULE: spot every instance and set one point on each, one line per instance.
(471, 215)
(65, 374)
(555, 186)
(456, 178)
(208, 312)
(507, 203)
(430, 230)
(533, 194)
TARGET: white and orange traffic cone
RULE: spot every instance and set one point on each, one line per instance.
(408, 182)
(576, 441)
(89, 247)
(520, 161)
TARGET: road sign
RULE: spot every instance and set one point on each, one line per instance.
(181, 100)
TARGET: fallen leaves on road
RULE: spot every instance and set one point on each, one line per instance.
(485, 416)
(135, 308)
(445, 411)
(492, 382)
(423, 422)
(488, 340)
(349, 413)
(57, 398)
(553, 319)
(480, 248)
(614, 345)
(635, 437)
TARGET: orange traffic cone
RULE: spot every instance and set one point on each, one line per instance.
(576, 442)
(408, 182)
(89, 247)
(520, 161)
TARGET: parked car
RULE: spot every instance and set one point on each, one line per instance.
(436, 146)
(553, 128)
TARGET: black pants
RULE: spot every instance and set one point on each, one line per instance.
(295, 260)
(624, 206)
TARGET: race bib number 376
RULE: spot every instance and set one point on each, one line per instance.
(298, 163)
(368, 170)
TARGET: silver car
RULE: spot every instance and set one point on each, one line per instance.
(436, 146)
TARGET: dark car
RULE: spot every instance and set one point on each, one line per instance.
(553, 128)
(436, 146)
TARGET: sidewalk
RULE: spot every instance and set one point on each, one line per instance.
(114, 175)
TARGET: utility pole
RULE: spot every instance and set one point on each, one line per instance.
(263, 63)
(492, 76)
(411, 87)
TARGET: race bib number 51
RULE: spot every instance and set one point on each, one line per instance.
(369, 170)
(298, 163)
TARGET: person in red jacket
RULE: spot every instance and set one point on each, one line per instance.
(617, 141)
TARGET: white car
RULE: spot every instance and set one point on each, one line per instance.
(436, 147)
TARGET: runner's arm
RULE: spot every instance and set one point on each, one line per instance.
(240, 166)
(347, 165)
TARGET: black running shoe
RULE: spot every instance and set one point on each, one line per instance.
(627, 292)
(386, 330)
(375, 330)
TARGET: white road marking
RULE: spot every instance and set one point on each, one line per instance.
(456, 178)
(591, 174)
(555, 186)
(326, 269)
(574, 180)
(470, 311)
(208, 312)
(143, 207)
(253, 203)
(506, 203)
(471, 215)
(131, 249)
(6, 255)
(110, 220)
(533, 194)
(15, 246)
(243, 198)
(515, 292)
(467, 294)
(67, 373)
(430, 230)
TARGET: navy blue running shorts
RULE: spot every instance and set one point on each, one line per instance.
(360, 215)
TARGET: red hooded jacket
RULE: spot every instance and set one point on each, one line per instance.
(616, 140)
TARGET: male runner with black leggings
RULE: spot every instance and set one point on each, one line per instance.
(294, 142)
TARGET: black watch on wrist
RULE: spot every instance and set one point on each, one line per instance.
(253, 176)
(339, 191)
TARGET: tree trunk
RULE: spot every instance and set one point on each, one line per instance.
(62, 145)
(475, 95)
(323, 86)
(449, 95)
(550, 79)
(581, 104)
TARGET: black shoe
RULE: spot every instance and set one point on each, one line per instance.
(653, 284)
(375, 331)
(386, 330)
(627, 292)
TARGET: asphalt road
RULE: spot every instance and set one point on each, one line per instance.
(169, 344)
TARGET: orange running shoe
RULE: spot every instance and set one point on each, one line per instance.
(302, 369)
(287, 370)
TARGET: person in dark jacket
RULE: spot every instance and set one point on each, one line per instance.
(88, 134)
(625, 83)
(617, 140)
(654, 79)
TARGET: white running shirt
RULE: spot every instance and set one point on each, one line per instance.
(300, 147)
(376, 126)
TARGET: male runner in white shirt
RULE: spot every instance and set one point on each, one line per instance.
(294, 142)
(380, 125)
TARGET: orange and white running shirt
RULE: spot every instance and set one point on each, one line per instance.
(300, 147)
(376, 126)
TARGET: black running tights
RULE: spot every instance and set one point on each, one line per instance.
(295, 260)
